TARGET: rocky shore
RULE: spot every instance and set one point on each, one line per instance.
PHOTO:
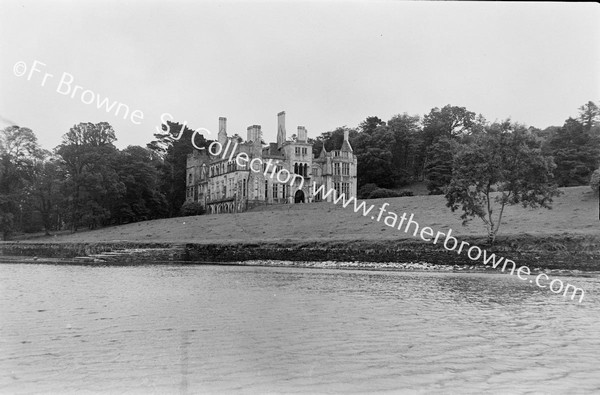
(560, 252)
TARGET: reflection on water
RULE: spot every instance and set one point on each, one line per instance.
(191, 329)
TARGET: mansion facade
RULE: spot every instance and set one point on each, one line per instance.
(221, 185)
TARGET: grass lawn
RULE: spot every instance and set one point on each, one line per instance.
(574, 212)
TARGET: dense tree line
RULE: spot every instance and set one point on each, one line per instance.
(86, 182)
(408, 149)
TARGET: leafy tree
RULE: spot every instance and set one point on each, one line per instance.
(92, 184)
(575, 152)
(138, 169)
(503, 166)
(370, 125)
(405, 149)
(449, 122)
(589, 115)
(45, 192)
(18, 151)
(439, 166)
(173, 146)
(375, 159)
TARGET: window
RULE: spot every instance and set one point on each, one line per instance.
(244, 188)
(297, 150)
(318, 195)
(336, 153)
(336, 169)
(189, 179)
(346, 189)
(346, 169)
(275, 191)
(266, 190)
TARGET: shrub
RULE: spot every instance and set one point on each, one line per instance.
(387, 193)
(595, 180)
(382, 193)
(193, 208)
(366, 190)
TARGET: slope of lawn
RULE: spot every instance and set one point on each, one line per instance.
(575, 212)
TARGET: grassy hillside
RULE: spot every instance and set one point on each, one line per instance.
(574, 212)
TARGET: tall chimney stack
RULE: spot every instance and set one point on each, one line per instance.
(280, 129)
(254, 133)
(222, 136)
(302, 134)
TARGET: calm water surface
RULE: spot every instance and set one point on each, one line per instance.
(206, 329)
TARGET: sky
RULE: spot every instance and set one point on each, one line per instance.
(326, 64)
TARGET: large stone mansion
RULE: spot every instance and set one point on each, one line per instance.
(221, 185)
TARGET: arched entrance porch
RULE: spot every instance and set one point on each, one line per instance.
(299, 196)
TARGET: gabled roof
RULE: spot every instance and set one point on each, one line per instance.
(346, 146)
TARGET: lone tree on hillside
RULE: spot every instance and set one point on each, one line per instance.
(502, 166)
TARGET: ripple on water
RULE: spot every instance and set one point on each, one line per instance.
(166, 329)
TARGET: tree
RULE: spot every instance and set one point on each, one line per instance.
(45, 192)
(450, 122)
(93, 186)
(405, 149)
(173, 169)
(18, 151)
(439, 166)
(370, 124)
(589, 115)
(575, 152)
(139, 170)
(503, 166)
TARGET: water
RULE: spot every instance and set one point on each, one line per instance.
(206, 329)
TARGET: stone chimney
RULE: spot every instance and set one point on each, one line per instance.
(254, 133)
(222, 137)
(346, 144)
(280, 129)
(302, 134)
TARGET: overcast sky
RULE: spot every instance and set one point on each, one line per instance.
(327, 64)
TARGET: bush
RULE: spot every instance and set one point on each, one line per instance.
(595, 180)
(193, 208)
(387, 193)
(366, 190)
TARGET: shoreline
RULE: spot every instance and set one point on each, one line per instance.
(568, 252)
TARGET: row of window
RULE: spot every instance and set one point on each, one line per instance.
(343, 154)
(301, 169)
(301, 151)
(345, 169)
(222, 168)
(342, 187)
(282, 191)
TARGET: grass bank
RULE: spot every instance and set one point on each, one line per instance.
(568, 236)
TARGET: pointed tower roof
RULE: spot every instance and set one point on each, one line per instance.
(323, 152)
